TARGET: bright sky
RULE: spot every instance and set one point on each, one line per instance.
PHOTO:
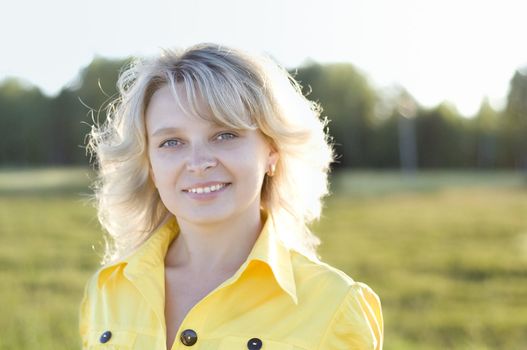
(455, 50)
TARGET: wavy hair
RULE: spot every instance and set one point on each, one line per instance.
(242, 91)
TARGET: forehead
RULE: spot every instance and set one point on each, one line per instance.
(166, 115)
(217, 106)
(166, 100)
(166, 107)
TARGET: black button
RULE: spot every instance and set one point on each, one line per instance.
(189, 337)
(105, 337)
(254, 344)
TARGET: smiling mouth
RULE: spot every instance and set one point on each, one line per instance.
(207, 189)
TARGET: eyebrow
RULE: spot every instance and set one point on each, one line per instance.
(167, 130)
(175, 130)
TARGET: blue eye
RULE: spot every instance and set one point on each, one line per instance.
(226, 136)
(170, 143)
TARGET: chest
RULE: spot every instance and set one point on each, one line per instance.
(182, 292)
(254, 306)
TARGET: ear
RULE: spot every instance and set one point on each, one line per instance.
(273, 157)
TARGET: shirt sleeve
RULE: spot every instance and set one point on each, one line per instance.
(84, 315)
(358, 322)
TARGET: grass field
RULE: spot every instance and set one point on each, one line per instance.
(446, 252)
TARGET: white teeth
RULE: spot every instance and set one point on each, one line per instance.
(207, 189)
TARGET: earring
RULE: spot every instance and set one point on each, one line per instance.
(271, 170)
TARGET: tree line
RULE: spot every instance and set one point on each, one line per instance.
(370, 128)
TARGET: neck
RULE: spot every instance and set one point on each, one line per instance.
(217, 248)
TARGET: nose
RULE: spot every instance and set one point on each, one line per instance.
(201, 160)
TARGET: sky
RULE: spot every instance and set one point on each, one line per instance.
(460, 51)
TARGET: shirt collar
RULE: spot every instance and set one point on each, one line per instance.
(268, 248)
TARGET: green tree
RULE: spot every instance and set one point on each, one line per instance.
(67, 130)
(515, 120)
(96, 83)
(440, 138)
(349, 102)
(485, 136)
(85, 102)
(23, 111)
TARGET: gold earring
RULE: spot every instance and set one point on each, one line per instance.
(271, 170)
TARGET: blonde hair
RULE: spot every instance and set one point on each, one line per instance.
(242, 91)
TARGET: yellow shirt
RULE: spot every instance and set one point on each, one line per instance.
(277, 300)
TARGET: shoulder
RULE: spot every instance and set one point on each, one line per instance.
(352, 309)
(84, 308)
(92, 290)
(110, 271)
(309, 271)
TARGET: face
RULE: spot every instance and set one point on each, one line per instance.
(205, 173)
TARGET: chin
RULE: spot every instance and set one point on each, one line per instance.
(203, 217)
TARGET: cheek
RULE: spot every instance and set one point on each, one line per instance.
(251, 173)
(161, 169)
(241, 164)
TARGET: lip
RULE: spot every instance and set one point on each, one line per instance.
(205, 184)
(205, 197)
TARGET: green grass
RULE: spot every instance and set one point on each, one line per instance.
(447, 255)
(446, 252)
(45, 181)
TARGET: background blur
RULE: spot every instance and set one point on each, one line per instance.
(428, 107)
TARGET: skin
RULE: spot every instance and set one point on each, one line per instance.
(217, 230)
(217, 234)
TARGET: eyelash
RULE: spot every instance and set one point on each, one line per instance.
(230, 134)
(164, 143)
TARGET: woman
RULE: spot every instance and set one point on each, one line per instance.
(211, 164)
